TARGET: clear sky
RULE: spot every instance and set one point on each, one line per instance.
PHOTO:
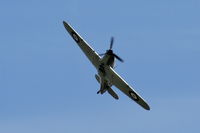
(47, 85)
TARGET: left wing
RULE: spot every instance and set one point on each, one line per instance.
(85, 47)
(121, 84)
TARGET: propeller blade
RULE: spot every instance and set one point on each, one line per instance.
(120, 59)
(111, 42)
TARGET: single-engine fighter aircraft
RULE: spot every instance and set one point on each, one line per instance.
(105, 66)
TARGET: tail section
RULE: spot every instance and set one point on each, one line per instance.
(106, 88)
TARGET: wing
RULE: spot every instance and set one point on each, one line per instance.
(121, 84)
(85, 47)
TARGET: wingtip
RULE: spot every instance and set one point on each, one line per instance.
(64, 22)
(66, 25)
(147, 107)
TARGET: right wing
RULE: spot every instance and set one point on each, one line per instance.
(85, 47)
(121, 84)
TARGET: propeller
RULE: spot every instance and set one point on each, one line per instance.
(110, 52)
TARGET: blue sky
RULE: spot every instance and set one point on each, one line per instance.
(47, 85)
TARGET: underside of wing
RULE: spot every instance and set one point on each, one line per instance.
(121, 84)
(85, 47)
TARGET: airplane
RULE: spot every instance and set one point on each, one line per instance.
(107, 77)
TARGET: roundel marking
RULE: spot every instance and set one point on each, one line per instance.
(75, 37)
(133, 95)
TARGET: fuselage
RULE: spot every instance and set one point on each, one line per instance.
(107, 60)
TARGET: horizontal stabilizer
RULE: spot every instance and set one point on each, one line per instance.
(112, 93)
